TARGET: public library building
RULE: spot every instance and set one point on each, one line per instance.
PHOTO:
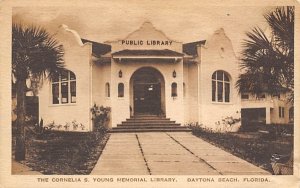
(147, 74)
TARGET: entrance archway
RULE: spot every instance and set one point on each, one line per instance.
(147, 92)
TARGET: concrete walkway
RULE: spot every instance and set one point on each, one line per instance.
(21, 169)
(171, 153)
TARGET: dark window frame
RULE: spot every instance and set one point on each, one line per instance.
(281, 112)
(174, 89)
(221, 87)
(245, 96)
(121, 90)
(107, 89)
(65, 88)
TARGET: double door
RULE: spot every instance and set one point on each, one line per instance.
(147, 98)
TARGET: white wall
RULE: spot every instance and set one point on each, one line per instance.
(186, 98)
(101, 74)
(191, 99)
(272, 103)
(218, 54)
(193, 92)
(146, 32)
(282, 102)
(120, 106)
(196, 106)
(77, 59)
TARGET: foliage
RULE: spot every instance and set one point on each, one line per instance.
(267, 61)
(39, 129)
(254, 147)
(199, 127)
(51, 125)
(35, 54)
(229, 124)
(75, 125)
(100, 117)
(231, 121)
(273, 130)
(62, 152)
(66, 126)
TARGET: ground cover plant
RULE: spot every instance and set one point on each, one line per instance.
(62, 152)
(256, 147)
(54, 149)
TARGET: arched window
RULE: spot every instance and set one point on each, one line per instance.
(220, 87)
(174, 89)
(64, 88)
(120, 90)
(184, 90)
(107, 90)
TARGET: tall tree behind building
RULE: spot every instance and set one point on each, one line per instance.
(267, 61)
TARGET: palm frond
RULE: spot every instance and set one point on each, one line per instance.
(268, 62)
(35, 52)
(281, 22)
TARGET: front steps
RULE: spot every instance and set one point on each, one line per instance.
(149, 123)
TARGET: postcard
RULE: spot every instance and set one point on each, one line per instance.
(149, 93)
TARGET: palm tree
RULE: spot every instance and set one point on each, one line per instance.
(267, 61)
(34, 54)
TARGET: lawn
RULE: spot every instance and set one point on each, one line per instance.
(256, 147)
(59, 152)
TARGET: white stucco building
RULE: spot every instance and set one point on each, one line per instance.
(144, 73)
(269, 109)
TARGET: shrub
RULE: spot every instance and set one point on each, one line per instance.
(64, 152)
(271, 131)
(256, 147)
(100, 117)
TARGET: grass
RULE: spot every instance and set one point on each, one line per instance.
(254, 147)
(65, 153)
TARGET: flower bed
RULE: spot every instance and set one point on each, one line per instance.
(58, 152)
(254, 147)
(274, 129)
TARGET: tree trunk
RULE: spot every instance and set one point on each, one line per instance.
(21, 112)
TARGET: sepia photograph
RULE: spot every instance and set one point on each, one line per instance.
(146, 93)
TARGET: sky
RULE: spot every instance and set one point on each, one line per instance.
(112, 20)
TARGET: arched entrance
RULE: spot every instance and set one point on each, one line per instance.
(147, 92)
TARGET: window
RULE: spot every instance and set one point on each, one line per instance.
(261, 96)
(174, 89)
(64, 88)
(281, 112)
(245, 96)
(291, 115)
(220, 87)
(276, 96)
(184, 90)
(120, 90)
(107, 90)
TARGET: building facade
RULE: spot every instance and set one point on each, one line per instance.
(144, 73)
(268, 109)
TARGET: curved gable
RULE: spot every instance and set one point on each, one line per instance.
(147, 37)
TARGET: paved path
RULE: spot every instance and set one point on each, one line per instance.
(172, 153)
(20, 169)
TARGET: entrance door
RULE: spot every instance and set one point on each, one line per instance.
(147, 95)
(147, 98)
